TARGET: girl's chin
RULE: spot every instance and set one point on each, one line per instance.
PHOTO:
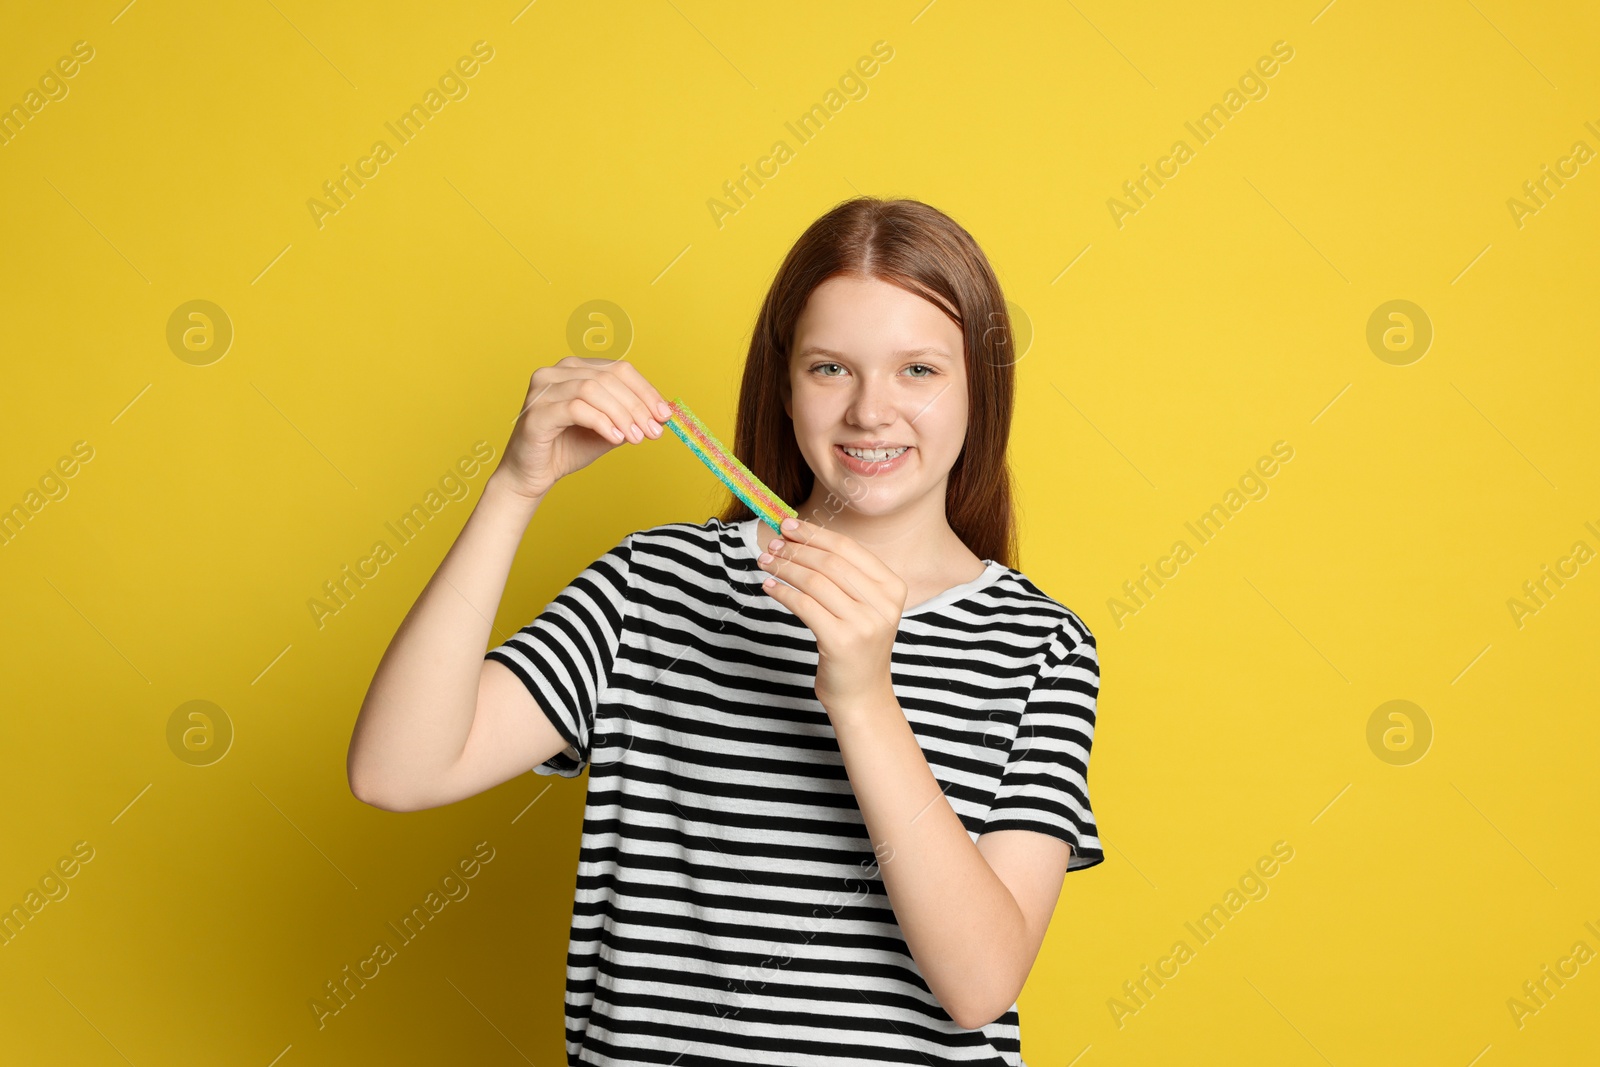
(876, 500)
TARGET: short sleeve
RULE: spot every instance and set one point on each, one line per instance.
(565, 655)
(1045, 784)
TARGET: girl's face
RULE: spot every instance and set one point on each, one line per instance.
(875, 366)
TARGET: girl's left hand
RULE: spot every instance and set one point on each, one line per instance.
(850, 599)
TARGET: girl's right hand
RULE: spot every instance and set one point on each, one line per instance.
(575, 411)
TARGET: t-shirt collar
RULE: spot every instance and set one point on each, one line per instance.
(754, 535)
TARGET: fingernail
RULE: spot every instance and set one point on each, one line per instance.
(664, 411)
(765, 558)
(790, 524)
(635, 432)
(655, 428)
(777, 543)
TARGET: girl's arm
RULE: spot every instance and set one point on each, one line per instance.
(439, 722)
(407, 748)
(973, 933)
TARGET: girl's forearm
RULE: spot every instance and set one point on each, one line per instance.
(960, 921)
(423, 698)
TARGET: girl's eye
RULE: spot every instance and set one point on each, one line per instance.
(820, 367)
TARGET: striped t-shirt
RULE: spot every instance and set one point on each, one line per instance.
(729, 909)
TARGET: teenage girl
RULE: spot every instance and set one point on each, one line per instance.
(835, 776)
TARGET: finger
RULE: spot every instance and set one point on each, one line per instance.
(818, 586)
(791, 598)
(621, 403)
(840, 565)
(654, 402)
(590, 417)
(878, 597)
(618, 378)
(637, 421)
(819, 537)
(604, 394)
(582, 407)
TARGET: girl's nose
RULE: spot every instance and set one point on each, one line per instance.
(872, 406)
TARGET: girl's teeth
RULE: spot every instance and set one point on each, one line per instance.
(874, 455)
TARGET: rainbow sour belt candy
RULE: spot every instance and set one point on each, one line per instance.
(735, 475)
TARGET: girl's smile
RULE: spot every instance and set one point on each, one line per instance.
(874, 467)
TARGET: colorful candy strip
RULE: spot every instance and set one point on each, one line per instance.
(721, 462)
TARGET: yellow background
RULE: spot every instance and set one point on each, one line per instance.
(1229, 313)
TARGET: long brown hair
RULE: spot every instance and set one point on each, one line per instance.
(925, 252)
